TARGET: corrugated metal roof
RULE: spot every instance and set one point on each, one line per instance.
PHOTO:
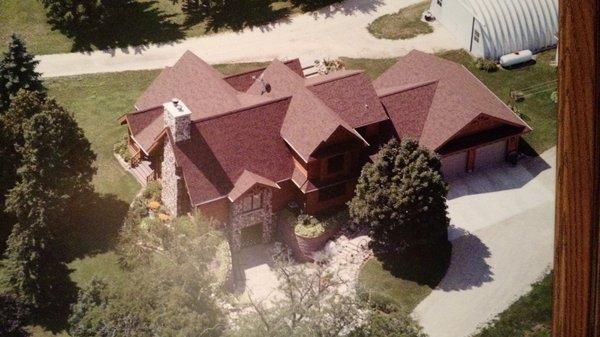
(513, 25)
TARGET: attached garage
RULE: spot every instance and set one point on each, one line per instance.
(454, 164)
(490, 155)
(492, 28)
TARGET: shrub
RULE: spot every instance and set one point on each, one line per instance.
(154, 205)
(310, 227)
(486, 64)
(121, 149)
(152, 191)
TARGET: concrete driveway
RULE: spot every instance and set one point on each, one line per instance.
(336, 30)
(502, 236)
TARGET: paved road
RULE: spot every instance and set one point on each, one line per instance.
(338, 30)
(502, 243)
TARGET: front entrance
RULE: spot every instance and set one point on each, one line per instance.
(252, 235)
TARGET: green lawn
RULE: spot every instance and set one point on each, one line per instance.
(138, 23)
(537, 81)
(405, 24)
(530, 316)
(383, 288)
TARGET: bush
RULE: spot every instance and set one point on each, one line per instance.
(121, 149)
(307, 226)
(486, 64)
(152, 191)
(310, 227)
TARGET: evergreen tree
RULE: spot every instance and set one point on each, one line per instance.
(401, 197)
(55, 169)
(13, 315)
(17, 72)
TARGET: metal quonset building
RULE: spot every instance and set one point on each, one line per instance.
(492, 28)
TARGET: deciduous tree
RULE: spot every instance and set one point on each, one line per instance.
(55, 168)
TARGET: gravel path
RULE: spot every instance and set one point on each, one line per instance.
(338, 30)
(502, 243)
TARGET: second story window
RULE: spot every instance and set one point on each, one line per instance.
(252, 202)
(335, 164)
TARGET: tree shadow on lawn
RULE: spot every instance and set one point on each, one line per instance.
(451, 266)
(239, 14)
(94, 229)
(131, 23)
(97, 228)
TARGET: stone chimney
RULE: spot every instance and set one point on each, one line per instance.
(177, 118)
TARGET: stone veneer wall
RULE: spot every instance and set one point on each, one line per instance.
(240, 219)
(172, 185)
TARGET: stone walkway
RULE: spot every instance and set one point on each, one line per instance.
(335, 31)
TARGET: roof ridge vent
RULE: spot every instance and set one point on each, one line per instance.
(266, 87)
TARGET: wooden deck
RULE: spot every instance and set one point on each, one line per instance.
(142, 172)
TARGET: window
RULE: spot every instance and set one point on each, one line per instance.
(476, 36)
(439, 2)
(252, 202)
(332, 192)
(335, 164)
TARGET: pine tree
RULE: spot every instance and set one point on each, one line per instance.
(17, 72)
(401, 198)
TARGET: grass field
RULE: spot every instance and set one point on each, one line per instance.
(138, 23)
(530, 316)
(383, 289)
(405, 24)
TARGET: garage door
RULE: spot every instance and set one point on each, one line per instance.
(454, 164)
(490, 155)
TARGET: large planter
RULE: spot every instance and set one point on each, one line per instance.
(308, 246)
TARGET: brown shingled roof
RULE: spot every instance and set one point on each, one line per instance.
(145, 126)
(351, 95)
(221, 148)
(309, 123)
(196, 83)
(242, 135)
(242, 82)
(459, 98)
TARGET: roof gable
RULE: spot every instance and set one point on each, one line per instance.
(247, 181)
(309, 122)
(459, 98)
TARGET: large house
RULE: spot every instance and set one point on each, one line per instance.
(239, 148)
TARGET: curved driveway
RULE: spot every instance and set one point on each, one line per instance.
(338, 30)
